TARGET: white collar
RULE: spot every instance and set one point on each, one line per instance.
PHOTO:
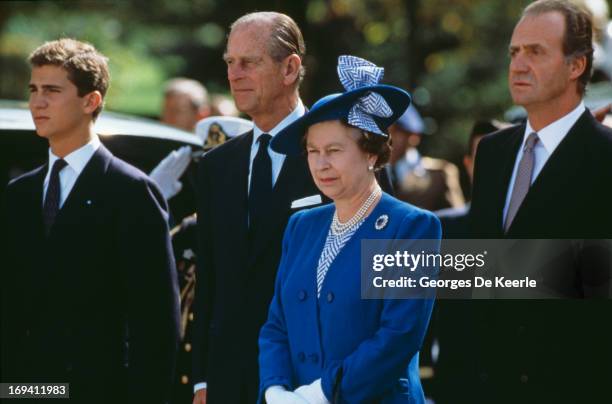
(78, 159)
(297, 112)
(551, 135)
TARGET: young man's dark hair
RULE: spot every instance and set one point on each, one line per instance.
(87, 68)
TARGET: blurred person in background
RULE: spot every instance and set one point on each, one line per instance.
(428, 183)
(602, 114)
(185, 103)
(449, 334)
(223, 105)
(455, 221)
(168, 172)
(216, 130)
(602, 38)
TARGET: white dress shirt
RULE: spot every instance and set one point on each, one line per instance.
(277, 163)
(549, 138)
(77, 160)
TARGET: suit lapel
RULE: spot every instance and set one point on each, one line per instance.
(37, 275)
(37, 208)
(293, 171)
(85, 191)
(557, 172)
(507, 152)
(234, 195)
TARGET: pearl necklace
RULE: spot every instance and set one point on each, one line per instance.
(338, 228)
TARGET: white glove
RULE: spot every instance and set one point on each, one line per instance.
(312, 393)
(170, 169)
(278, 395)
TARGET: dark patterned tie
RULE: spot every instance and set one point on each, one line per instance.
(523, 179)
(260, 192)
(52, 200)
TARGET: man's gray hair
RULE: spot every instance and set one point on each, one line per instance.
(578, 36)
(285, 35)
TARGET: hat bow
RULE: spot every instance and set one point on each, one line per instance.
(355, 73)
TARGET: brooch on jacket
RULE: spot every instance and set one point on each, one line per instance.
(381, 222)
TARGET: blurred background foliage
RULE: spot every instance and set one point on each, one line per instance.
(450, 54)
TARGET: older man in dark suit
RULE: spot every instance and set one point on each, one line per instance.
(547, 179)
(248, 192)
(89, 293)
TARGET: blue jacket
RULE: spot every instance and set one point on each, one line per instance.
(363, 350)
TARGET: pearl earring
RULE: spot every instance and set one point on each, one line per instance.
(370, 168)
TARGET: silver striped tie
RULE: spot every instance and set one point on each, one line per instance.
(523, 179)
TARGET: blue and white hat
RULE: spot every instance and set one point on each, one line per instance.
(365, 105)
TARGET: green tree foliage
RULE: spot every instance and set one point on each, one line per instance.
(451, 54)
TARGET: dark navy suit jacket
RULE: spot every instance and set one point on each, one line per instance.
(94, 303)
(237, 267)
(547, 350)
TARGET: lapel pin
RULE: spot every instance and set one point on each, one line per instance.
(381, 222)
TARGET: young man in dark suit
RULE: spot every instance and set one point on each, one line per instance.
(547, 179)
(248, 192)
(89, 293)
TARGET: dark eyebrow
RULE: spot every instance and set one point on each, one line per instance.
(528, 46)
(51, 87)
(534, 46)
(45, 87)
(334, 144)
(252, 59)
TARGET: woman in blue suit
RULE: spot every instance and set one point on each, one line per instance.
(322, 342)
